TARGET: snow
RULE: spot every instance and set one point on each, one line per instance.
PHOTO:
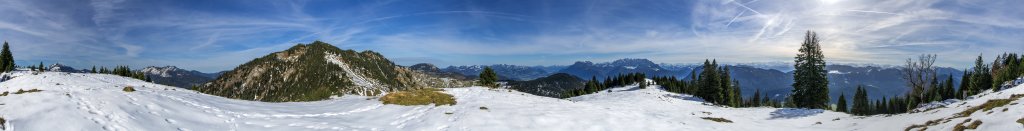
(78, 101)
(836, 72)
(356, 78)
(165, 71)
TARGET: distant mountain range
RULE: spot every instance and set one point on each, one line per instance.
(174, 76)
(506, 72)
(587, 69)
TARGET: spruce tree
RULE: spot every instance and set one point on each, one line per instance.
(488, 78)
(6, 59)
(710, 89)
(981, 79)
(861, 105)
(948, 91)
(810, 86)
(41, 68)
(841, 104)
(756, 100)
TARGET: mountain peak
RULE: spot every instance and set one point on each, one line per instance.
(315, 71)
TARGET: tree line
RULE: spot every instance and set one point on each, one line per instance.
(713, 84)
(926, 86)
(595, 86)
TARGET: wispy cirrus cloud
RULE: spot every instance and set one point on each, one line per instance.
(217, 35)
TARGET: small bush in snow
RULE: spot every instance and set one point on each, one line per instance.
(2, 123)
(1021, 121)
(419, 97)
(483, 108)
(128, 89)
(716, 119)
(4, 94)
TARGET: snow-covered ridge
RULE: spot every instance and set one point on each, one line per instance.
(80, 101)
(165, 71)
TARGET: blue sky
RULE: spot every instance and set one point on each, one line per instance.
(218, 35)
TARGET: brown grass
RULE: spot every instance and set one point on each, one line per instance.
(716, 119)
(28, 91)
(1021, 121)
(988, 105)
(419, 97)
(128, 89)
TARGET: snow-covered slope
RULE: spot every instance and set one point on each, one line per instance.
(74, 101)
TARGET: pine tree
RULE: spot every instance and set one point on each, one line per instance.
(710, 85)
(6, 59)
(810, 87)
(965, 85)
(861, 105)
(841, 104)
(41, 68)
(93, 69)
(756, 100)
(950, 91)
(981, 79)
(488, 78)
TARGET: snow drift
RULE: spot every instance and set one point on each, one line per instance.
(78, 101)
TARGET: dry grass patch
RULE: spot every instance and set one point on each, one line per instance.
(28, 91)
(961, 127)
(1021, 121)
(988, 105)
(419, 97)
(4, 94)
(128, 89)
(716, 119)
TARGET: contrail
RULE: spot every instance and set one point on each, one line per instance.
(734, 18)
(877, 12)
(745, 6)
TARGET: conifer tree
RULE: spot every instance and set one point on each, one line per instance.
(93, 69)
(841, 104)
(861, 105)
(710, 85)
(810, 86)
(948, 91)
(6, 59)
(488, 78)
(41, 67)
(981, 79)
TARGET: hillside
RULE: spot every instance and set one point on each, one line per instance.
(550, 86)
(317, 71)
(96, 102)
(177, 77)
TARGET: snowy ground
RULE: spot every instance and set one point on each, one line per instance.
(74, 101)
